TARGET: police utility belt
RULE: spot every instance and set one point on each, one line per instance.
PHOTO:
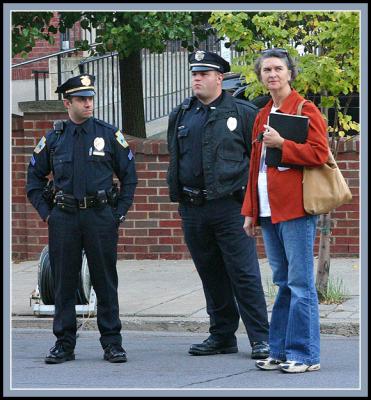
(194, 196)
(69, 203)
(198, 197)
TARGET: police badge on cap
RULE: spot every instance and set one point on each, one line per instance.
(207, 61)
(81, 85)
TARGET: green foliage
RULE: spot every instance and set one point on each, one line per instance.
(335, 292)
(124, 32)
(328, 68)
(29, 27)
(128, 32)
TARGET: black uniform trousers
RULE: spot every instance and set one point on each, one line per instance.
(226, 260)
(95, 231)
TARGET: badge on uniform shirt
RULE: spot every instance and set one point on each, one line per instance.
(120, 138)
(40, 145)
(232, 123)
(98, 146)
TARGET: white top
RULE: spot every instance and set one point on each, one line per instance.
(264, 207)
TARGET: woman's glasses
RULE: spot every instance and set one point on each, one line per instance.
(275, 49)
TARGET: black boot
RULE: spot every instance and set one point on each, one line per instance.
(114, 353)
(213, 346)
(58, 354)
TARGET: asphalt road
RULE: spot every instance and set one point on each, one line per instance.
(159, 360)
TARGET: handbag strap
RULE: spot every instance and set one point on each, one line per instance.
(331, 161)
(300, 107)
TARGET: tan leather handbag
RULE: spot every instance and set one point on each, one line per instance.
(324, 187)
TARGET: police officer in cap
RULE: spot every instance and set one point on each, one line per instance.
(83, 154)
(209, 141)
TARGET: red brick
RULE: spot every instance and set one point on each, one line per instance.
(159, 215)
(158, 199)
(146, 240)
(136, 232)
(146, 175)
(159, 249)
(147, 224)
(44, 124)
(159, 232)
(144, 256)
(146, 207)
(136, 249)
(171, 240)
(166, 224)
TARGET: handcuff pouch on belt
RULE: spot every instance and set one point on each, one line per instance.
(193, 196)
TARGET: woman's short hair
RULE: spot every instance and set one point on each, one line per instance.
(279, 53)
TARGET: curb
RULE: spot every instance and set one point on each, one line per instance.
(171, 324)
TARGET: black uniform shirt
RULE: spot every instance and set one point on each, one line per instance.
(189, 136)
(105, 152)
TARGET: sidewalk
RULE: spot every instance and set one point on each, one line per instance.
(167, 295)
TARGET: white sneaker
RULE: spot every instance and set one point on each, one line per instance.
(269, 364)
(295, 367)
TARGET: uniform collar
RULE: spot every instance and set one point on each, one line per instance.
(211, 105)
(86, 126)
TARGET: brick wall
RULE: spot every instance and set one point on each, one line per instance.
(153, 228)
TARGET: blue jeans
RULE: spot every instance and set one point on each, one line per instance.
(294, 328)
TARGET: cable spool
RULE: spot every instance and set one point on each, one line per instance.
(46, 281)
(84, 281)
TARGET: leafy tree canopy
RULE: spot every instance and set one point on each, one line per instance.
(330, 41)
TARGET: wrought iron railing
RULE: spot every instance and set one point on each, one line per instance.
(166, 79)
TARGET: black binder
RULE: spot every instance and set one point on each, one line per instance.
(291, 127)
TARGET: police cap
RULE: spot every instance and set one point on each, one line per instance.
(207, 61)
(81, 85)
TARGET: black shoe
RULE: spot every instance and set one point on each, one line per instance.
(211, 346)
(114, 353)
(58, 354)
(259, 350)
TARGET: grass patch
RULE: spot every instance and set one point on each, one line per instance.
(336, 292)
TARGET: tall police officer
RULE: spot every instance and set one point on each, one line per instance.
(83, 155)
(209, 140)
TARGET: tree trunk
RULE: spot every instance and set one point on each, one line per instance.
(323, 266)
(132, 108)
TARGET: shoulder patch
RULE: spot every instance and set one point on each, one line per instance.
(40, 145)
(120, 138)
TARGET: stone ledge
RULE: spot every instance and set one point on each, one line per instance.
(42, 106)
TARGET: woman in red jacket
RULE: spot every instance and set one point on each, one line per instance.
(274, 200)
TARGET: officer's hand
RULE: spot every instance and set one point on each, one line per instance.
(47, 218)
(119, 219)
(249, 227)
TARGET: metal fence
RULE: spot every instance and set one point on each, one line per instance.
(166, 79)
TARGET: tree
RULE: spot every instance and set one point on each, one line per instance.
(127, 33)
(28, 27)
(329, 69)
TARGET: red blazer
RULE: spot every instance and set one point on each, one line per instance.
(285, 188)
